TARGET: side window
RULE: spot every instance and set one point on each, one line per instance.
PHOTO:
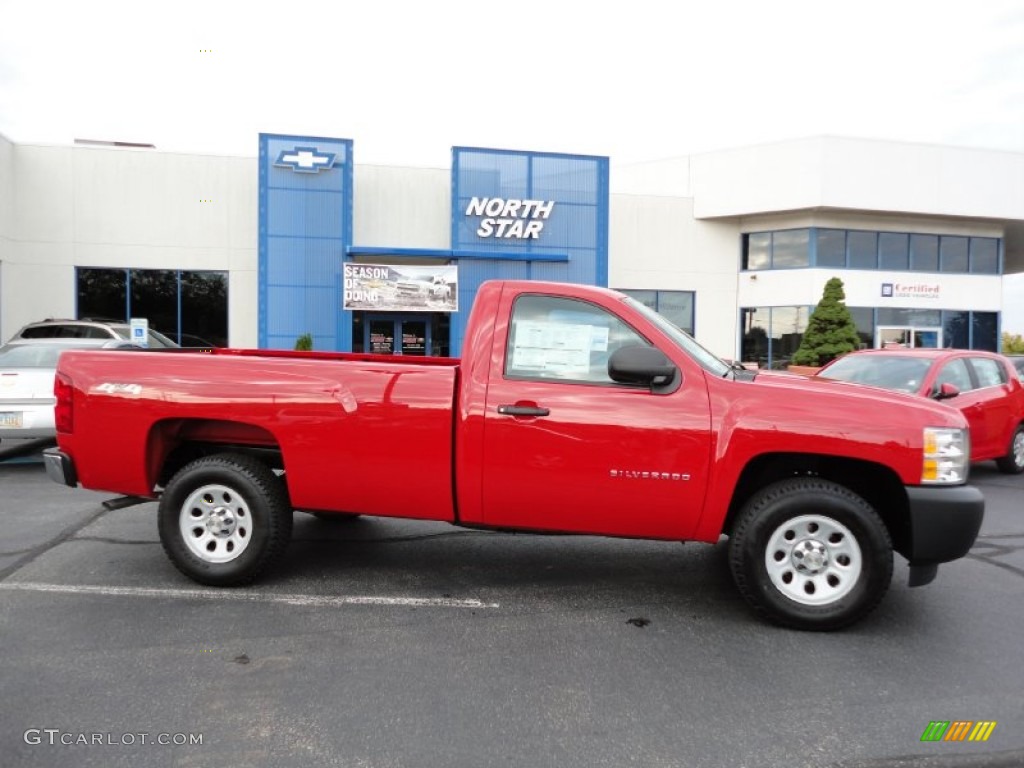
(564, 340)
(989, 372)
(955, 372)
(37, 332)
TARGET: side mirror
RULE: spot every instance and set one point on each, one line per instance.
(635, 364)
(946, 391)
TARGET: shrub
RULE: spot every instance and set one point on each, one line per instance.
(304, 342)
(831, 331)
(1013, 344)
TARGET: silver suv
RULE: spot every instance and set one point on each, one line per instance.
(86, 329)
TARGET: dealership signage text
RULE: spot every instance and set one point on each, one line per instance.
(910, 290)
(510, 218)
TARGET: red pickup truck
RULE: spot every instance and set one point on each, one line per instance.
(575, 409)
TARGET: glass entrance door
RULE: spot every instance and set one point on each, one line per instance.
(391, 335)
(907, 337)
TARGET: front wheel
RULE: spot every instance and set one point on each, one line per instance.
(809, 554)
(1013, 462)
(224, 518)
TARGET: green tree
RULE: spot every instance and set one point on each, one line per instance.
(1013, 344)
(304, 342)
(831, 331)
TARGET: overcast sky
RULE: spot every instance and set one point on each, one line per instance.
(406, 80)
(409, 79)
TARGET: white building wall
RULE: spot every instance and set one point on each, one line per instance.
(674, 224)
(6, 225)
(401, 207)
(863, 288)
(860, 174)
(656, 244)
(107, 207)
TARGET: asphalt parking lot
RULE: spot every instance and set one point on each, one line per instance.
(385, 643)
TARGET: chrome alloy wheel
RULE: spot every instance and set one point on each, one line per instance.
(813, 559)
(1018, 448)
(216, 524)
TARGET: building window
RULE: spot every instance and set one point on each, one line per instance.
(831, 248)
(757, 250)
(893, 251)
(984, 256)
(791, 248)
(785, 249)
(863, 250)
(859, 249)
(864, 318)
(956, 329)
(771, 335)
(953, 254)
(924, 253)
(674, 306)
(189, 307)
(983, 331)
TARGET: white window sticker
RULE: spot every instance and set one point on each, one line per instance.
(556, 348)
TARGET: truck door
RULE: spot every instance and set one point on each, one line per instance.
(568, 449)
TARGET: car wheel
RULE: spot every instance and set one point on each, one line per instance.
(1013, 462)
(223, 519)
(809, 554)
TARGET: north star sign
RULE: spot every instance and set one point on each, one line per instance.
(305, 159)
(511, 218)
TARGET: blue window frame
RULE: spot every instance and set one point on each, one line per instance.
(870, 250)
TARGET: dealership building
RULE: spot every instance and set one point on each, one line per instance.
(734, 246)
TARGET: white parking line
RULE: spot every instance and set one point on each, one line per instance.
(252, 597)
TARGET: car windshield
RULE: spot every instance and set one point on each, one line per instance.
(32, 355)
(895, 372)
(707, 360)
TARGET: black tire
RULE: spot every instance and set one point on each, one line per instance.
(223, 519)
(809, 554)
(1013, 462)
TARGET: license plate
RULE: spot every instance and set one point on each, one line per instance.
(10, 419)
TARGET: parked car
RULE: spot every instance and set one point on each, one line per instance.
(983, 385)
(87, 329)
(1018, 363)
(27, 368)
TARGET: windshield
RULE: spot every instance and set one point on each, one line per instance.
(895, 372)
(685, 341)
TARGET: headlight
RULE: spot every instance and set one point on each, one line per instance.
(947, 456)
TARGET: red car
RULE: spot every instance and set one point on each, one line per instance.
(983, 385)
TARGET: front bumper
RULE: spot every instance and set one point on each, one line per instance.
(944, 522)
(60, 467)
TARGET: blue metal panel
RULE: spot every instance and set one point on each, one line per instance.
(471, 274)
(576, 225)
(577, 186)
(440, 253)
(305, 226)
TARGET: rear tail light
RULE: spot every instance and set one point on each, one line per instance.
(64, 410)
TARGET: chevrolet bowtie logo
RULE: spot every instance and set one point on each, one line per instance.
(306, 159)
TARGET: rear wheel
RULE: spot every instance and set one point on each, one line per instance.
(809, 554)
(1013, 462)
(223, 519)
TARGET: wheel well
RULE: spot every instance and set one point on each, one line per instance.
(878, 485)
(176, 442)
